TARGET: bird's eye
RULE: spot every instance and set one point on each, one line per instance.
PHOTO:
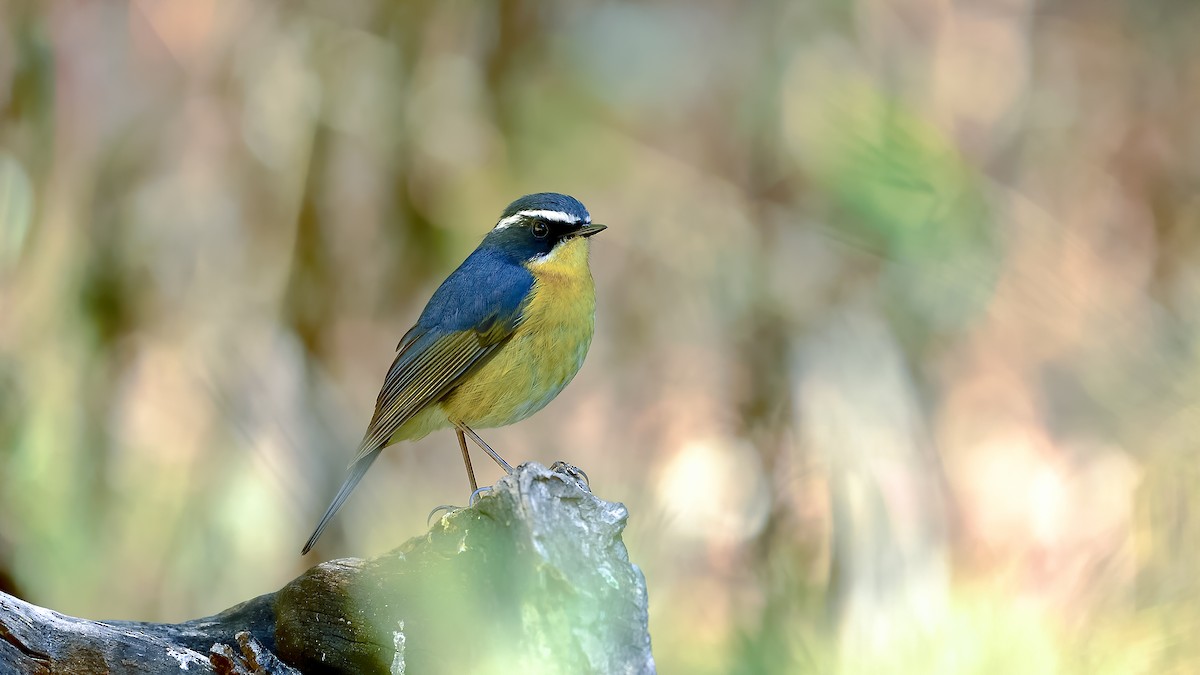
(540, 229)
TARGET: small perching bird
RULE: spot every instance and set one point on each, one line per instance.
(499, 339)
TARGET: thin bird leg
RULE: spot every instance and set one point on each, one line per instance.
(475, 489)
(462, 445)
(486, 448)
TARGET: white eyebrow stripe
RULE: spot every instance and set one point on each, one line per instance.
(556, 216)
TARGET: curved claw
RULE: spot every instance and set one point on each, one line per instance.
(448, 508)
(572, 471)
(477, 493)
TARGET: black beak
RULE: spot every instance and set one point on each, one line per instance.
(589, 230)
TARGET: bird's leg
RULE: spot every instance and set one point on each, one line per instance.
(462, 445)
(486, 448)
(476, 491)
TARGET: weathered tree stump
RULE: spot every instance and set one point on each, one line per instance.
(533, 578)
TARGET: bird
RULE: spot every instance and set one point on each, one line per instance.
(497, 341)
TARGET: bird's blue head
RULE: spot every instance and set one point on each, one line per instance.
(532, 226)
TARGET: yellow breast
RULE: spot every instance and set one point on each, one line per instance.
(544, 352)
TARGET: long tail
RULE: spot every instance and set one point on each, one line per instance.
(355, 474)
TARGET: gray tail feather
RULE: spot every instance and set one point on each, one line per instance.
(355, 474)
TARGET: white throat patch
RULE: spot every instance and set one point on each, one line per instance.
(556, 216)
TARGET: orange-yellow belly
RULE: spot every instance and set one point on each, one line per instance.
(544, 352)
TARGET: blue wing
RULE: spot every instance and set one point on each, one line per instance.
(469, 316)
(489, 285)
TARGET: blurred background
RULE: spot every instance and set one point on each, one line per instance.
(897, 362)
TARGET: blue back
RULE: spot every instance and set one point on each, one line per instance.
(489, 286)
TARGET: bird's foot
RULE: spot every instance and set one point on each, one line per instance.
(451, 508)
(573, 472)
(448, 508)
